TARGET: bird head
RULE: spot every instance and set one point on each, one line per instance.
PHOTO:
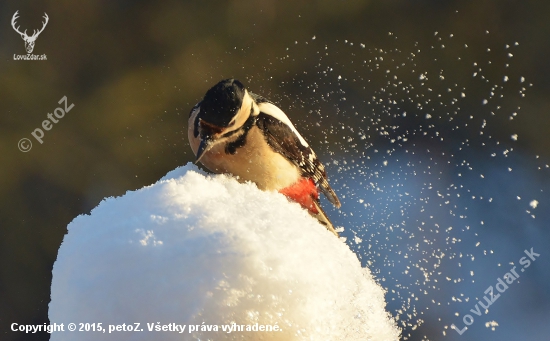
(223, 110)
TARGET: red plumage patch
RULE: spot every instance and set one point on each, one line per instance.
(303, 192)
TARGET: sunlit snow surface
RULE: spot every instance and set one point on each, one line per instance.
(194, 249)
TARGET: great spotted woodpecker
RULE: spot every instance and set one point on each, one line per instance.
(235, 131)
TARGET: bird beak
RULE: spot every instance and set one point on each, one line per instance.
(205, 145)
(209, 134)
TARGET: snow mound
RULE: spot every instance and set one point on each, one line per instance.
(206, 252)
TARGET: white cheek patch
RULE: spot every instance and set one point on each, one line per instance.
(193, 141)
(242, 115)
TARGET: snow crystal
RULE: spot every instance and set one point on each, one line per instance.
(491, 324)
(197, 249)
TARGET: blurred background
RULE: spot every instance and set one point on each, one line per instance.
(432, 118)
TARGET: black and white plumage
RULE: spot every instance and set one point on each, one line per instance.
(234, 131)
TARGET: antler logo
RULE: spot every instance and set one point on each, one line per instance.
(29, 41)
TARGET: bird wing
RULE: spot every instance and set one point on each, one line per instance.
(283, 137)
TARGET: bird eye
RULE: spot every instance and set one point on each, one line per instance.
(232, 123)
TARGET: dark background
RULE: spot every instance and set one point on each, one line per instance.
(133, 70)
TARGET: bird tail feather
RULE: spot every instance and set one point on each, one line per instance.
(323, 218)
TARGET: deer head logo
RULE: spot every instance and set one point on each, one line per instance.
(29, 41)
